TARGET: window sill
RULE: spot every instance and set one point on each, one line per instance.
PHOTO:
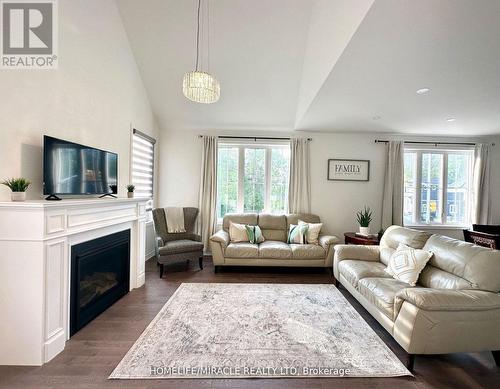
(436, 227)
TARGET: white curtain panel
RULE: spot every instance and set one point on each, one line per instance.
(481, 184)
(299, 191)
(392, 203)
(207, 202)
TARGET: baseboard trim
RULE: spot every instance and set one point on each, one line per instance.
(54, 346)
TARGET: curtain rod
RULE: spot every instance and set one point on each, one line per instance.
(432, 143)
(251, 137)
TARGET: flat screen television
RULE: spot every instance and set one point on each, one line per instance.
(74, 169)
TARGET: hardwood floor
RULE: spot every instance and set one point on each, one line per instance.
(91, 355)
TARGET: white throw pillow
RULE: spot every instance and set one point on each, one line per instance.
(406, 263)
(238, 233)
(312, 234)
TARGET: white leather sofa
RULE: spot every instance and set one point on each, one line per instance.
(274, 251)
(455, 306)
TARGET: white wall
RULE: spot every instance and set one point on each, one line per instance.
(336, 202)
(94, 97)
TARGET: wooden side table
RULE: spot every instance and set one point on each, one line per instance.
(352, 238)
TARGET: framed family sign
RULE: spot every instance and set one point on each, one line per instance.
(348, 170)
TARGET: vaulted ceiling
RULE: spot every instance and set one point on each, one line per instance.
(328, 65)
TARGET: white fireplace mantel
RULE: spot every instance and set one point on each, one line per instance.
(35, 248)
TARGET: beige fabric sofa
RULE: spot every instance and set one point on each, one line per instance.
(274, 251)
(455, 306)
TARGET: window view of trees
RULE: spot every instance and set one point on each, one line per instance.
(442, 181)
(227, 180)
(252, 178)
(280, 172)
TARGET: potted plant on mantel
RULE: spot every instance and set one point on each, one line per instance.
(130, 191)
(18, 187)
(364, 219)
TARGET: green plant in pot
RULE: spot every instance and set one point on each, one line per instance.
(18, 187)
(130, 191)
(364, 219)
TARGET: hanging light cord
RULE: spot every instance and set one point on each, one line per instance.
(198, 35)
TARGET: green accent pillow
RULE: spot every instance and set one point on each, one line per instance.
(297, 233)
(254, 234)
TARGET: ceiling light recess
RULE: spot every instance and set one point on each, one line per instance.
(423, 91)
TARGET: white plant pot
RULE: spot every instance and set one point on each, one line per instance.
(18, 196)
(130, 195)
(364, 230)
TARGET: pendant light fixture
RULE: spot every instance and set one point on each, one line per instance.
(197, 85)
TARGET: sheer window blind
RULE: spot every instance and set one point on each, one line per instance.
(142, 172)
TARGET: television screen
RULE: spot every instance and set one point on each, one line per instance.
(71, 168)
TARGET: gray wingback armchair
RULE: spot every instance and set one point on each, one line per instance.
(179, 246)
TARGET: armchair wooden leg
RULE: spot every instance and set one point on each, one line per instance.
(496, 356)
(161, 270)
(411, 362)
(216, 269)
(201, 263)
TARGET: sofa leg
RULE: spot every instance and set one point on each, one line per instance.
(161, 270)
(216, 269)
(200, 261)
(496, 356)
(411, 362)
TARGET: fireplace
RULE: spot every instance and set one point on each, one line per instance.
(100, 271)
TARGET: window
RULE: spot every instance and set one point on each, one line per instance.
(437, 187)
(252, 178)
(142, 164)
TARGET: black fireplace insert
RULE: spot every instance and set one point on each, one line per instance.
(99, 276)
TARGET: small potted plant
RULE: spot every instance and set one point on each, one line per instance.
(130, 191)
(364, 219)
(18, 186)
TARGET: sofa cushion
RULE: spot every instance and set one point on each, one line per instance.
(355, 270)
(432, 277)
(242, 250)
(307, 251)
(293, 218)
(273, 226)
(478, 265)
(241, 218)
(395, 235)
(386, 254)
(381, 292)
(180, 246)
(275, 250)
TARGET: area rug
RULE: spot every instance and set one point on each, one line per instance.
(258, 330)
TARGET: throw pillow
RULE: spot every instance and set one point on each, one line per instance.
(238, 233)
(312, 235)
(297, 233)
(406, 263)
(254, 234)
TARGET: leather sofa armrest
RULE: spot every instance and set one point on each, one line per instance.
(430, 299)
(196, 237)
(328, 240)
(363, 253)
(221, 237)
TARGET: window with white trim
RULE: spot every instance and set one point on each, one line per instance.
(437, 187)
(142, 164)
(252, 177)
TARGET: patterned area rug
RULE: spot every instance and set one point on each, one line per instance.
(258, 330)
